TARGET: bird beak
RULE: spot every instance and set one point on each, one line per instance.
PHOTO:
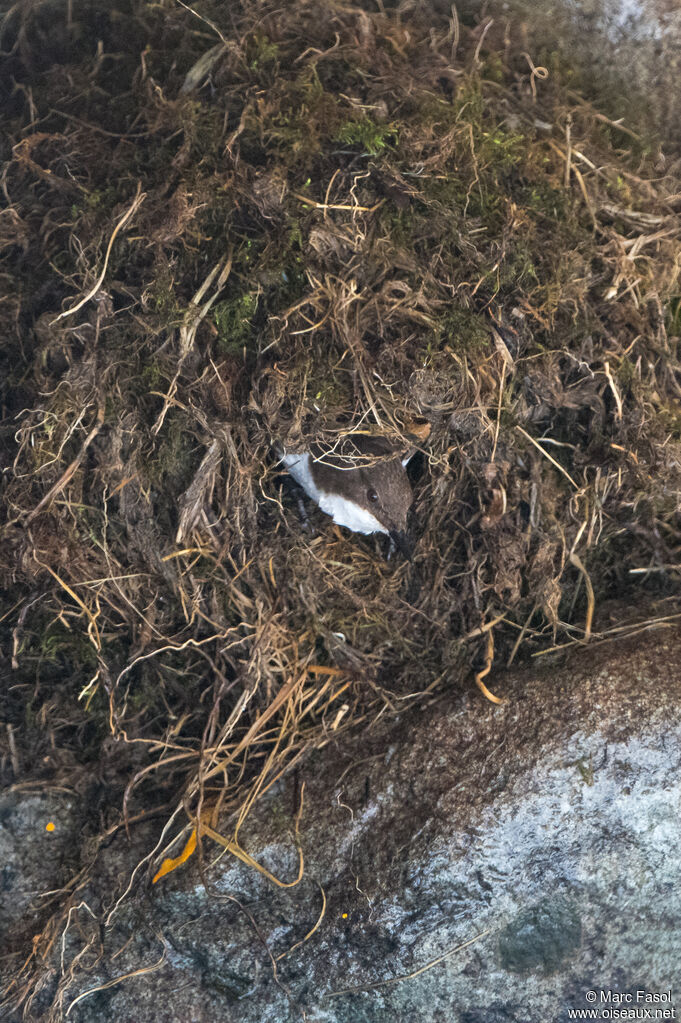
(403, 543)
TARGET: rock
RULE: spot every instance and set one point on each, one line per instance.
(544, 833)
(627, 52)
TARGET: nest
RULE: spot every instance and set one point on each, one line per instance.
(278, 226)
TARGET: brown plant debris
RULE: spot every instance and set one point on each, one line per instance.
(230, 225)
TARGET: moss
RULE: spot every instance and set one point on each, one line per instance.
(543, 198)
(152, 377)
(483, 197)
(305, 116)
(464, 331)
(469, 101)
(670, 420)
(329, 393)
(493, 68)
(260, 51)
(60, 645)
(163, 299)
(170, 466)
(100, 200)
(674, 316)
(500, 151)
(202, 133)
(400, 225)
(519, 267)
(626, 373)
(233, 318)
(450, 192)
(289, 286)
(372, 137)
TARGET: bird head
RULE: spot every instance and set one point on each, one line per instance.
(374, 478)
(385, 492)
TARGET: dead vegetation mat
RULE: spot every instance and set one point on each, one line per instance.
(239, 223)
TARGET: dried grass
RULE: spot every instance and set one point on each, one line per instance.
(350, 220)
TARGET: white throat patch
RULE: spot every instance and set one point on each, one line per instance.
(343, 512)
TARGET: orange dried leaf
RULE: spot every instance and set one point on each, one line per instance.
(170, 864)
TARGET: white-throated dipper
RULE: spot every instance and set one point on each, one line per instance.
(365, 488)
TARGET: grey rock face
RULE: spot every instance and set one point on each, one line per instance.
(31, 856)
(549, 826)
(627, 52)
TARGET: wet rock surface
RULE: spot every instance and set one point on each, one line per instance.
(544, 832)
(624, 51)
(33, 854)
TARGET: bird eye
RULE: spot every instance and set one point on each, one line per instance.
(372, 495)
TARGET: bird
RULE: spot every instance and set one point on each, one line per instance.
(366, 489)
